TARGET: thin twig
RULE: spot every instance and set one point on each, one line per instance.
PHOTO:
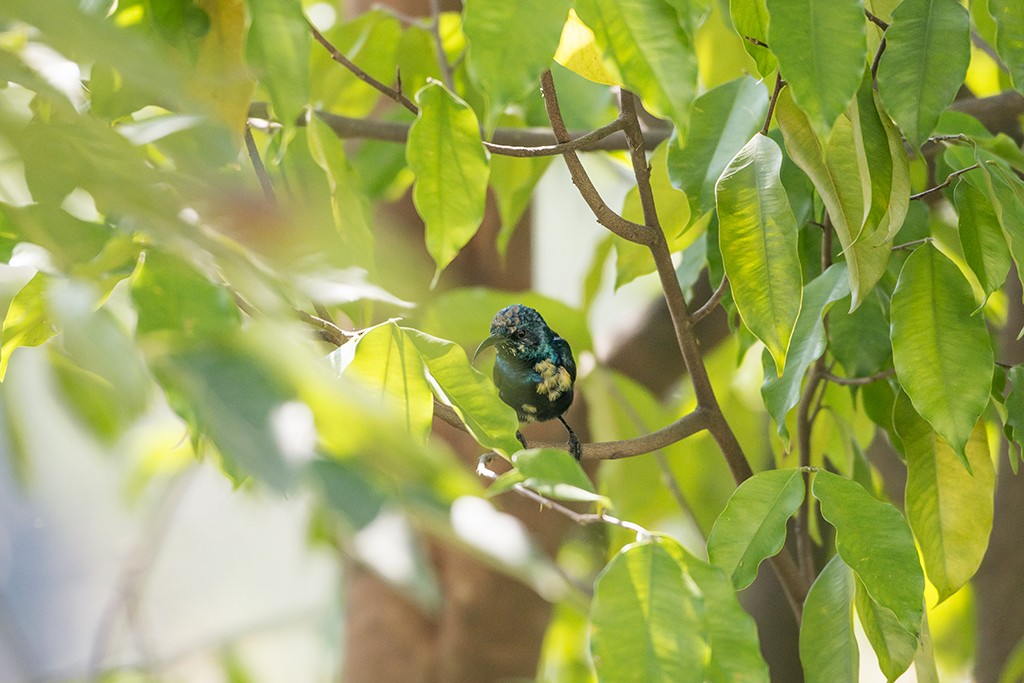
(258, 167)
(859, 381)
(711, 304)
(878, 58)
(641, 168)
(945, 183)
(442, 57)
(330, 332)
(628, 230)
(582, 518)
(337, 56)
(804, 425)
(572, 145)
(779, 85)
(880, 23)
(913, 243)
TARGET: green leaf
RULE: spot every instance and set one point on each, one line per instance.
(554, 473)
(176, 302)
(347, 491)
(751, 19)
(647, 43)
(350, 206)
(646, 620)
(752, 526)
(513, 181)
(473, 396)
(445, 153)
(1009, 18)
(721, 123)
(894, 646)
(950, 510)
(874, 540)
(835, 34)
(27, 322)
(828, 645)
(981, 236)
(758, 239)
(1008, 193)
(940, 346)
(229, 397)
(928, 48)
(278, 49)
(859, 339)
(385, 360)
(732, 633)
(510, 44)
(781, 394)
(839, 174)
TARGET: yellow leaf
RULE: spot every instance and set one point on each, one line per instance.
(578, 52)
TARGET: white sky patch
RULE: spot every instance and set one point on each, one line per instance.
(294, 430)
(496, 533)
(322, 15)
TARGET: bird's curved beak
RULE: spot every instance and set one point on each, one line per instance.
(493, 340)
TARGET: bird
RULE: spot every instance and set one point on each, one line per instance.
(534, 369)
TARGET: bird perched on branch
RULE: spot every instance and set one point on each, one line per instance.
(534, 370)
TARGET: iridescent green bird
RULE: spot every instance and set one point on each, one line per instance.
(534, 370)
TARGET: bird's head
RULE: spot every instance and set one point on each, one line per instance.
(518, 331)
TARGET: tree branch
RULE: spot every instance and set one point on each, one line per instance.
(711, 304)
(945, 183)
(258, 167)
(627, 230)
(337, 56)
(442, 57)
(779, 85)
(684, 427)
(859, 381)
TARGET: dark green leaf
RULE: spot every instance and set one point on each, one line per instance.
(981, 237)
(828, 645)
(874, 540)
(894, 646)
(1009, 18)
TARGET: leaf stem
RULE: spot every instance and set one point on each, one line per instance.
(945, 183)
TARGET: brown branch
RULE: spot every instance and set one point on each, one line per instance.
(880, 23)
(779, 85)
(711, 304)
(804, 425)
(442, 57)
(628, 230)
(984, 46)
(684, 427)
(337, 56)
(328, 330)
(878, 58)
(858, 381)
(945, 183)
(258, 167)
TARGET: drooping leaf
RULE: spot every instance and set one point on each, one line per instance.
(874, 540)
(894, 646)
(859, 339)
(646, 620)
(445, 153)
(981, 237)
(510, 44)
(758, 239)
(925, 61)
(751, 19)
(941, 348)
(835, 34)
(752, 526)
(950, 509)
(653, 53)
(721, 123)
(781, 394)
(513, 182)
(828, 645)
(1009, 18)
(1014, 427)
(554, 473)
(473, 396)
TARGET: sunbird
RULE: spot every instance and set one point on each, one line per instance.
(534, 370)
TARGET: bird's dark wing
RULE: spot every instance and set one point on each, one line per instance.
(565, 358)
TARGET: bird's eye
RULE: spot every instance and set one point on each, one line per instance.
(520, 334)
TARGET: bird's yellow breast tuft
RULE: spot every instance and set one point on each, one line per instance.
(554, 380)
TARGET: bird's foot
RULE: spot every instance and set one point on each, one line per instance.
(522, 439)
(574, 445)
